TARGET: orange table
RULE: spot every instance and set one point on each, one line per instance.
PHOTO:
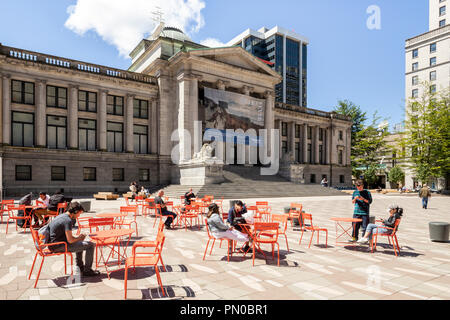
(247, 228)
(344, 230)
(104, 238)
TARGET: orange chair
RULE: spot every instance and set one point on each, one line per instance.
(190, 213)
(210, 237)
(311, 227)
(11, 216)
(61, 208)
(266, 233)
(148, 206)
(83, 223)
(220, 204)
(40, 203)
(4, 207)
(101, 224)
(295, 212)
(392, 236)
(281, 219)
(144, 259)
(158, 214)
(155, 243)
(263, 212)
(44, 251)
(124, 222)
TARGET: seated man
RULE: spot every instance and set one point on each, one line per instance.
(164, 211)
(52, 207)
(43, 202)
(61, 231)
(235, 217)
(188, 196)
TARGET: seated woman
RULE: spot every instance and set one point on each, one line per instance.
(395, 213)
(219, 229)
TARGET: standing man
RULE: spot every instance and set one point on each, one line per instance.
(362, 199)
(61, 231)
(425, 194)
(164, 212)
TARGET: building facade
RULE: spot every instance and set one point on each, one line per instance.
(428, 60)
(89, 128)
(285, 52)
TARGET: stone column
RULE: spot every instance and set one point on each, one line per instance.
(166, 116)
(72, 121)
(348, 147)
(102, 122)
(316, 143)
(305, 143)
(41, 114)
(6, 85)
(269, 119)
(328, 148)
(291, 128)
(193, 106)
(129, 124)
(153, 127)
(1, 116)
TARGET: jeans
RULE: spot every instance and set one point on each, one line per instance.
(357, 225)
(374, 229)
(170, 217)
(425, 203)
(78, 248)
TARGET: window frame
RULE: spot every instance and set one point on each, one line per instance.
(122, 177)
(140, 135)
(140, 108)
(57, 97)
(114, 105)
(24, 166)
(57, 126)
(84, 174)
(87, 135)
(148, 175)
(23, 135)
(123, 137)
(52, 173)
(23, 92)
(87, 101)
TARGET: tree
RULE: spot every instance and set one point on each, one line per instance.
(396, 175)
(368, 141)
(427, 136)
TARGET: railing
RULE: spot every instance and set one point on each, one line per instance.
(313, 112)
(74, 65)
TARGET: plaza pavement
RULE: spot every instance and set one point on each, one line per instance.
(421, 272)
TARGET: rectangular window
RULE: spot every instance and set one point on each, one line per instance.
(22, 129)
(415, 66)
(415, 93)
(56, 97)
(415, 80)
(87, 101)
(321, 154)
(433, 61)
(442, 11)
(320, 134)
(140, 109)
(284, 129)
(341, 157)
(341, 179)
(118, 174)
(415, 53)
(341, 135)
(22, 92)
(442, 23)
(90, 174)
(114, 105)
(433, 47)
(297, 131)
(297, 151)
(115, 137)
(144, 175)
(58, 173)
(310, 153)
(87, 135)
(23, 173)
(433, 88)
(56, 132)
(313, 178)
(284, 147)
(140, 139)
(432, 75)
(309, 133)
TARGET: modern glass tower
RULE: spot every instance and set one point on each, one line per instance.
(287, 53)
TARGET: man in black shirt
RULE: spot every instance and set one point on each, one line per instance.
(164, 212)
(188, 196)
(61, 231)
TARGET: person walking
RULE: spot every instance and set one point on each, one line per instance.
(362, 199)
(425, 194)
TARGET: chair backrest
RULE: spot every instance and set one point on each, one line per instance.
(397, 223)
(260, 227)
(262, 203)
(127, 201)
(129, 209)
(61, 206)
(99, 223)
(296, 207)
(5, 204)
(307, 216)
(281, 219)
(207, 229)
(37, 242)
(39, 202)
(12, 208)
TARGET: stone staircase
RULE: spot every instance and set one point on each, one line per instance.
(247, 183)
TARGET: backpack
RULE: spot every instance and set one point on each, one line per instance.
(25, 201)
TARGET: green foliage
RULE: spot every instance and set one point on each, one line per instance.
(427, 135)
(396, 175)
(370, 175)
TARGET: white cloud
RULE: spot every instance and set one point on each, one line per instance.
(213, 43)
(124, 23)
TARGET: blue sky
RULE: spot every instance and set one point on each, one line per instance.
(346, 59)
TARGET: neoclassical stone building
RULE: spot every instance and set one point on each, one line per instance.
(88, 128)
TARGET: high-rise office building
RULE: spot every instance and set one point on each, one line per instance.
(428, 60)
(287, 53)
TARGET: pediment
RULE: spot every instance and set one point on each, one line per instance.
(236, 57)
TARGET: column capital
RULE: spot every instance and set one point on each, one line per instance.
(41, 81)
(5, 75)
(131, 95)
(74, 86)
(103, 91)
(269, 94)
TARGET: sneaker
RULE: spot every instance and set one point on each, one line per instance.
(353, 240)
(246, 248)
(363, 241)
(90, 273)
(168, 227)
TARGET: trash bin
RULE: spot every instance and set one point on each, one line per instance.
(439, 231)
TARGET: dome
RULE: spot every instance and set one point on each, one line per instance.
(174, 33)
